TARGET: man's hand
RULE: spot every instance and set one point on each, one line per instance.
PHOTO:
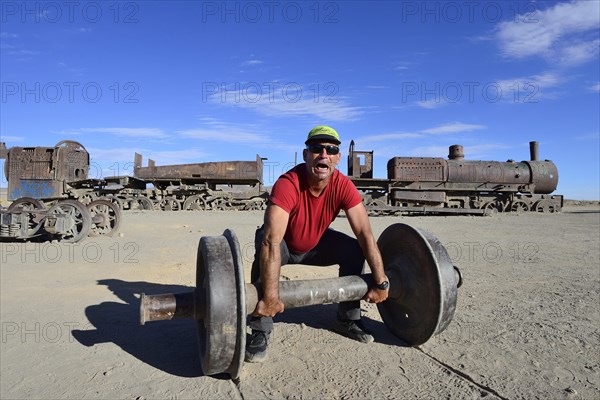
(268, 308)
(375, 295)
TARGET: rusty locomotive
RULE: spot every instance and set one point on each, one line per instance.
(43, 202)
(49, 188)
(456, 185)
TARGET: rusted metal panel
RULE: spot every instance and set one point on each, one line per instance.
(488, 171)
(41, 172)
(231, 172)
(415, 169)
(422, 196)
(544, 175)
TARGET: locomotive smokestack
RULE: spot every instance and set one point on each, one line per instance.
(534, 150)
(456, 152)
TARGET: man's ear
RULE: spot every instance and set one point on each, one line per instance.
(304, 153)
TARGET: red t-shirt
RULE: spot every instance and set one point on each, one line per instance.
(310, 216)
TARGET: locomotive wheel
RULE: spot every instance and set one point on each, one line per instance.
(169, 204)
(140, 203)
(221, 204)
(113, 199)
(106, 218)
(79, 220)
(254, 205)
(519, 206)
(34, 220)
(87, 198)
(545, 206)
(494, 206)
(195, 203)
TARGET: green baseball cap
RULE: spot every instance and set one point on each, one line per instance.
(323, 133)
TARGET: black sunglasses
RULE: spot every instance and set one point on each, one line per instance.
(318, 149)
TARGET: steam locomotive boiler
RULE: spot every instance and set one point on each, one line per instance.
(457, 185)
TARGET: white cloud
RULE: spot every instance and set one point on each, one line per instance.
(290, 100)
(528, 89)
(431, 104)
(565, 33)
(7, 35)
(5, 138)
(452, 127)
(595, 88)
(252, 62)
(128, 132)
(224, 135)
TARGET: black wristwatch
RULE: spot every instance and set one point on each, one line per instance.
(382, 286)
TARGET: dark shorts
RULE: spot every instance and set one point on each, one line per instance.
(333, 248)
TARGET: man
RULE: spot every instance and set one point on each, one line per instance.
(302, 204)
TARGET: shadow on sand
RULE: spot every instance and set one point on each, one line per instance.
(172, 346)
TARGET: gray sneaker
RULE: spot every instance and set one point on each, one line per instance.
(353, 329)
(256, 346)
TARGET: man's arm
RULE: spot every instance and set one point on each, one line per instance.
(359, 221)
(276, 220)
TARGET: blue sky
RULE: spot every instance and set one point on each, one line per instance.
(183, 82)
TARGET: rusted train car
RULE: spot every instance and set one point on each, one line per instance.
(456, 185)
(223, 185)
(42, 185)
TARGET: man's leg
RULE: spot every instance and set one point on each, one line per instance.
(256, 345)
(338, 248)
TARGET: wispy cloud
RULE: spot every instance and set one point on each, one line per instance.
(8, 35)
(445, 129)
(290, 100)
(251, 62)
(124, 132)
(452, 127)
(529, 89)
(565, 33)
(595, 88)
(6, 138)
(224, 135)
(433, 103)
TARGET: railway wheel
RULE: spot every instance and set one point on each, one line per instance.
(140, 203)
(519, 206)
(106, 218)
(87, 198)
(254, 205)
(35, 220)
(169, 204)
(493, 206)
(545, 206)
(77, 220)
(195, 203)
(113, 199)
(221, 204)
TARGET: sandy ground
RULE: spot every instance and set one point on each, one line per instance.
(526, 324)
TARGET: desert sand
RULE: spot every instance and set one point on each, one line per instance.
(526, 324)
